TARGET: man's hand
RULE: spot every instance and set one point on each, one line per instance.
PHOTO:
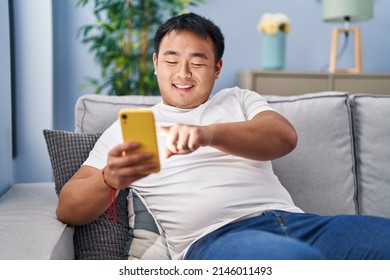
(87, 194)
(184, 139)
(125, 165)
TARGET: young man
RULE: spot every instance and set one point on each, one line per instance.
(216, 196)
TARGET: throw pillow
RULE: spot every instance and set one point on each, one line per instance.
(100, 239)
(146, 239)
(67, 152)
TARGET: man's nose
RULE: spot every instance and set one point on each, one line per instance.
(184, 71)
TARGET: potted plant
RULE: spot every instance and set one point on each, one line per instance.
(121, 40)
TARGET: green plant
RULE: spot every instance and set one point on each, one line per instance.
(122, 42)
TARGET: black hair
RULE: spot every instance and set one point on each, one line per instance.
(194, 23)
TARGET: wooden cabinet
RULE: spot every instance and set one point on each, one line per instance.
(294, 83)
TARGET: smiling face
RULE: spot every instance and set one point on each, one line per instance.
(186, 69)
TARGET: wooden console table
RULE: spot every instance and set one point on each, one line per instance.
(294, 83)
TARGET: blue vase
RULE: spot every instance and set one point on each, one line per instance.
(273, 51)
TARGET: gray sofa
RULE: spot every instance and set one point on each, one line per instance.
(340, 166)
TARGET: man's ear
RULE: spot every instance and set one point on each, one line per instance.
(155, 62)
(218, 68)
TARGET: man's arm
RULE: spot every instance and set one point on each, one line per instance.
(265, 137)
(86, 195)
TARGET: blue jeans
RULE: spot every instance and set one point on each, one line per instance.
(278, 235)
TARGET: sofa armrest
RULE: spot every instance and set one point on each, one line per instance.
(29, 228)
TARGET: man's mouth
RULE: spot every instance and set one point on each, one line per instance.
(183, 86)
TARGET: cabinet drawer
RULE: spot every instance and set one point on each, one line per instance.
(371, 85)
(285, 85)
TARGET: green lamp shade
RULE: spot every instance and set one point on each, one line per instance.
(339, 10)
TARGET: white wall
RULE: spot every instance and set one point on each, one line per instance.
(34, 84)
(5, 97)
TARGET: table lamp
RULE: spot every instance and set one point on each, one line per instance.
(346, 11)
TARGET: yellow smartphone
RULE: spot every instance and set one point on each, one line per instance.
(138, 125)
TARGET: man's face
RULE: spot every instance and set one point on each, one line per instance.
(186, 69)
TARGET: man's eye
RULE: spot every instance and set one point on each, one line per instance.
(198, 64)
(171, 62)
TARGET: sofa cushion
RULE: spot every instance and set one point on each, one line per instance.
(372, 142)
(29, 229)
(319, 173)
(100, 239)
(95, 113)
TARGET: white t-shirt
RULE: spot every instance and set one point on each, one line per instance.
(197, 193)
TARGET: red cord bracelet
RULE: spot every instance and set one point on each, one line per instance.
(111, 214)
